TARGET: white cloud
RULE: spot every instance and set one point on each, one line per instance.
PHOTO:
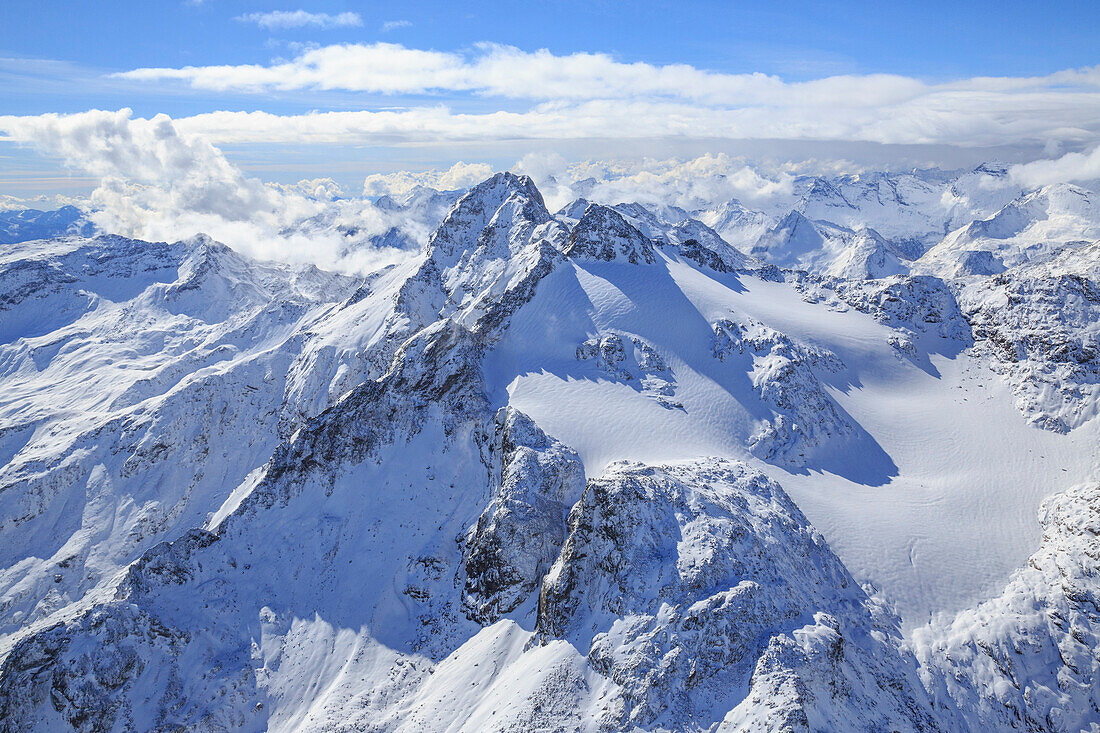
(981, 122)
(591, 95)
(499, 70)
(392, 25)
(696, 183)
(159, 180)
(318, 189)
(158, 183)
(283, 19)
(460, 175)
(1071, 167)
(45, 202)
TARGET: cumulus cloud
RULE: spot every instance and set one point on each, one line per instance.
(285, 19)
(158, 183)
(392, 25)
(318, 189)
(692, 184)
(460, 175)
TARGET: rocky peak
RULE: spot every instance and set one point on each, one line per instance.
(603, 234)
(493, 216)
(573, 212)
(821, 192)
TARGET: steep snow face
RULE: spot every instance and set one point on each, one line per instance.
(146, 382)
(332, 535)
(827, 249)
(864, 399)
(739, 226)
(906, 207)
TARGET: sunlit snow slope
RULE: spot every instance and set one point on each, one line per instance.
(933, 499)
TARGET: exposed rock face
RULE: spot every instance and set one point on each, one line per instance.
(519, 534)
(675, 231)
(603, 234)
(497, 242)
(1041, 327)
(633, 361)
(783, 373)
(690, 587)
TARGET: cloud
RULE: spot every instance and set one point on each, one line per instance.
(460, 175)
(1075, 167)
(392, 25)
(158, 183)
(285, 19)
(592, 95)
(974, 122)
(692, 184)
(160, 180)
(318, 189)
(499, 70)
(45, 202)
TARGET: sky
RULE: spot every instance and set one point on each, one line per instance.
(300, 90)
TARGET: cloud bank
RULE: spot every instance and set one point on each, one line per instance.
(592, 95)
(158, 180)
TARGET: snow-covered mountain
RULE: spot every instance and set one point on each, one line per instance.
(22, 225)
(820, 246)
(1037, 225)
(591, 470)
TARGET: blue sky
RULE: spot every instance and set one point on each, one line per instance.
(79, 41)
(63, 57)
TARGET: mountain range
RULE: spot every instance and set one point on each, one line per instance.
(828, 463)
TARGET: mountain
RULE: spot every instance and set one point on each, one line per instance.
(737, 224)
(586, 470)
(22, 225)
(396, 222)
(822, 247)
(874, 224)
(1034, 226)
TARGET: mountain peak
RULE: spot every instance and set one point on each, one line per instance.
(493, 216)
(603, 234)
